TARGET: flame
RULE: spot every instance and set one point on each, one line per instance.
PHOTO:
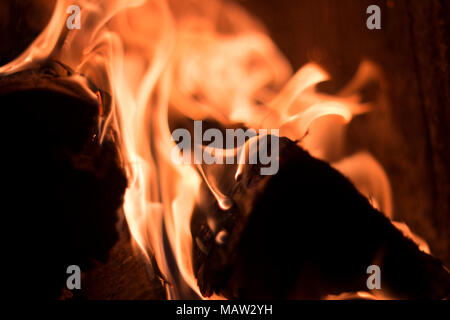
(205, 59)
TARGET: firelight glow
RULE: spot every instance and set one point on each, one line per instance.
(207, 60)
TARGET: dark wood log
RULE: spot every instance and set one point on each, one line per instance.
(64, 185)
(305, 232)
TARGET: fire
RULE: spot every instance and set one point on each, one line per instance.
(204, 59)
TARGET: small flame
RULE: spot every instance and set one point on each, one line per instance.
(205, 59)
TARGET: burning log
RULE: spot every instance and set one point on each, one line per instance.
(66, 186)
(306, 233)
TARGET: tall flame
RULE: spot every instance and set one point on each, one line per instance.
(206, 59)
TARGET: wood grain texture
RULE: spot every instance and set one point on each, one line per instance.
(125, 276)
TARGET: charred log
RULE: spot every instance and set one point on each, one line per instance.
(305, 232)
(64, 185)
